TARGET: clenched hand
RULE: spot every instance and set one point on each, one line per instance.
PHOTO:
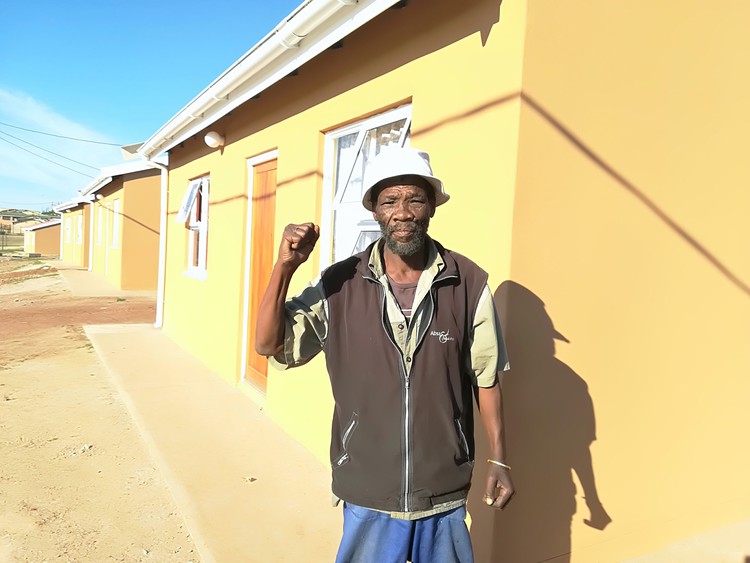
(297, 242)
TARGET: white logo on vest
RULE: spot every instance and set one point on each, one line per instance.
(443, 336)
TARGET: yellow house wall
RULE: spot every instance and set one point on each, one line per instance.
(108, 256)
(28, 241)
(610, 191)
(140, 236)
(465, 114)
(133, 263)
(630, 224)
(73, 251)
(45, 241)
(99, 256)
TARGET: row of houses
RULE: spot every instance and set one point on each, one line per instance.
(112, 226)
(594, 152)
(15, 221)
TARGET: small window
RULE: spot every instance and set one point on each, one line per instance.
(195, 208)
(349, 151)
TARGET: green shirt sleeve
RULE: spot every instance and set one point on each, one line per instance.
(305, 327)
(487, 354)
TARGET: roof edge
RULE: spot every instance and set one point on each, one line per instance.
(309, 30)
(108, 173)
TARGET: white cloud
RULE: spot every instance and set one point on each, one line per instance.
(25, 177)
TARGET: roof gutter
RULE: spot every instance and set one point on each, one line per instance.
(310, 29)
(72, 203)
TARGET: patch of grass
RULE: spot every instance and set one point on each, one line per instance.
(120, 299)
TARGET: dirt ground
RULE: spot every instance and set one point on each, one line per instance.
(76, 481)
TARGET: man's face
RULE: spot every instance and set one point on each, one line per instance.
(403, 210)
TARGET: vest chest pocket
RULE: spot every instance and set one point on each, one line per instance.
(346, 438)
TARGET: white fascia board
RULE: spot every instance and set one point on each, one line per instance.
(72, 203)
(46, 224)
(108, 173)
(97, 185)
(323, 22)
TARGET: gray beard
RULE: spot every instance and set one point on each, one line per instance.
(411, 248)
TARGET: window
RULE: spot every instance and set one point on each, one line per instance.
(194, 213)
(67, 229)
(115, 223)
(349, 150)
(79, 229)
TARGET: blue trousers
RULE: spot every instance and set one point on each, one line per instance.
(374, 537)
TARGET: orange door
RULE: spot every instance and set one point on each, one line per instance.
(261, 258)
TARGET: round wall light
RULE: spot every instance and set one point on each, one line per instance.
(214, 139)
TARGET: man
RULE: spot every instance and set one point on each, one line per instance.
(410, 333)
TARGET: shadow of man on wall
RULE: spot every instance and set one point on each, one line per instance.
(549, 427)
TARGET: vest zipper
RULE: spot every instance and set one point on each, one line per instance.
(407, 391)
(407, 406)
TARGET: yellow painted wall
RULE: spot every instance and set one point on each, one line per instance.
(140, 247)
(99, 234)
(630, 225)
(29, 241)
(74, 250)
(108, 244)
(132, 262)
(45, 241)
(595, 155)
(422, 57)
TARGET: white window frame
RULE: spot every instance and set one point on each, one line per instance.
(197, 226)
(332, 201)
(188, 200)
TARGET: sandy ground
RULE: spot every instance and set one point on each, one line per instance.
(76, 481)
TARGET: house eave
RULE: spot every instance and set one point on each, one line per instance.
(309, 30)
(66, 206)
(43, 225)
(109, 173)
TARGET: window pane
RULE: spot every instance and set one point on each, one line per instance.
(346, 154)
(374, 139)
(364, 240)
(353, 227)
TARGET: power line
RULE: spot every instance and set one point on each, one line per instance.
(60, 136)
(45, 150)
(26, 202)
(45, 158)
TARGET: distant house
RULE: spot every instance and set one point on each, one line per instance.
(595, 155)
(43, 238)
(123, 238)
(75, 216)
(14, 221)
(112, 228)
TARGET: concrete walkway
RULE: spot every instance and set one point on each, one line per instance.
(83, 283)
(247, 491)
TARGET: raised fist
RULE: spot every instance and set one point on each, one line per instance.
(297, 242)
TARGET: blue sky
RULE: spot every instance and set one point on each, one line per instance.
(111, 72)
